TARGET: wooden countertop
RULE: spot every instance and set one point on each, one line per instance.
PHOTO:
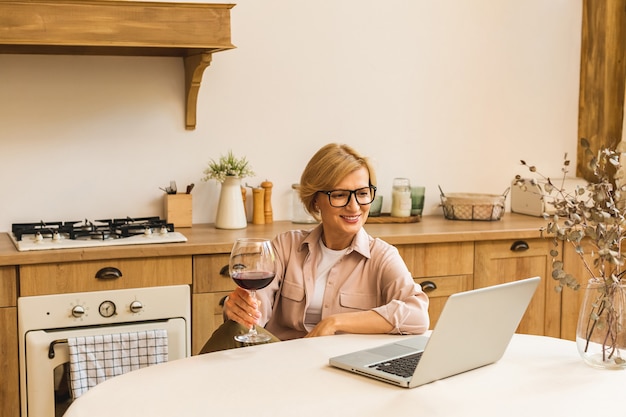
(206, 239)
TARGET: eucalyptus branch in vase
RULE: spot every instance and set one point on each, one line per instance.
(592, 219)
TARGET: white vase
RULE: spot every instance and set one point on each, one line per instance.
(231, 213)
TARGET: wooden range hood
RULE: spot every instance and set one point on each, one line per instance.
(192, 31)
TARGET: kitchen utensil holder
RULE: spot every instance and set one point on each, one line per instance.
(178, 209)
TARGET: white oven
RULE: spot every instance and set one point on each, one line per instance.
(46, 322)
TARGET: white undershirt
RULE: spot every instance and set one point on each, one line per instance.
(328, 259)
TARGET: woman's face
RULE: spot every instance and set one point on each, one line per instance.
(342, 223)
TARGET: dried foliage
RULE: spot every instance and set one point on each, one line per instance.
(594, 213)
(593, 219)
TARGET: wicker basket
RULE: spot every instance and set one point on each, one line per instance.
(469, 206)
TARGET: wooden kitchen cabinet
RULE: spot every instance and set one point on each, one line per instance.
(9, 364)
(441, 269)
(69, 277)
(209, 288)
(502, 261)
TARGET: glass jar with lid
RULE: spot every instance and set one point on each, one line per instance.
(401, 198)
(298, 213)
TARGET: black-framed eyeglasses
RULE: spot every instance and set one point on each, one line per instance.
(341, 198)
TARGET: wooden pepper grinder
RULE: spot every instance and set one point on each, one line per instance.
(267, 201)
(258, 216)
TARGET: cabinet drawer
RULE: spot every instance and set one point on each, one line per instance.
(438, 259)
(70, 277)
(509, 260)
(444, 286)
(439, 289)
(206, 274)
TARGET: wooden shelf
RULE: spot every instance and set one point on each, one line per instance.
(192, 31)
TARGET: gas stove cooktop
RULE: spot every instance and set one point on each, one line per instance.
(97, 233)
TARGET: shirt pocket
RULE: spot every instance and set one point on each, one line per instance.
(355, 301)
(292, 291)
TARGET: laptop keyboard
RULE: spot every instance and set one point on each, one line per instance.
(404, 366)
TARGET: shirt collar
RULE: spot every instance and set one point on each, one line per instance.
(360, 243)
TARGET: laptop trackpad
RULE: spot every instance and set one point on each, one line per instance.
(414, 342)
(392, 350)
(371, 356)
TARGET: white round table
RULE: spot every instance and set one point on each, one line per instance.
(538, 376)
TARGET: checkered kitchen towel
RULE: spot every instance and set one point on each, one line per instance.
(94, 359)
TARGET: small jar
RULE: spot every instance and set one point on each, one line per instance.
(401, 198)
(299, 214)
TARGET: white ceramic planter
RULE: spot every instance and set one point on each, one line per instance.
(231, 213)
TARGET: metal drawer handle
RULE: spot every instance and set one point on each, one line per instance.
(428, 286)
(519, 246)
(108, 272)
(223, 300)
(225, 271)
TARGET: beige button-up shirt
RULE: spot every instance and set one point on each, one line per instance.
(370, 276)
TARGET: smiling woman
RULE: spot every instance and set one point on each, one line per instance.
(334, 278)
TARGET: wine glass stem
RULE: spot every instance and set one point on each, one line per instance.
(252, 330)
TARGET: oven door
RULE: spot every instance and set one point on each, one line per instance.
(47, 386)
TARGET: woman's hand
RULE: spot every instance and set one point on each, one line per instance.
(325, 327)
(242, 308)
(363, 322)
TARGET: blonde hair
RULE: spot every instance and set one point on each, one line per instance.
(326, 168)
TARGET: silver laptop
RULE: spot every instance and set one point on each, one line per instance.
(474, 329)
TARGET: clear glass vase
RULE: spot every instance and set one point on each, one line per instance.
(601, 331)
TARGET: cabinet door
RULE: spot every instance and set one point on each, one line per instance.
(441, 269)
(501, 261)
(55, 278)
(209, 288)
(9, 394)
(207, 316)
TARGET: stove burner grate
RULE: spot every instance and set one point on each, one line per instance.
(97, 229)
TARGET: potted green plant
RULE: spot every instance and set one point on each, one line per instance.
(227, 166)
(229, 171)
(592, 219)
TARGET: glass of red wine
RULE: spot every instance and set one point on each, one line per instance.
(252, 266)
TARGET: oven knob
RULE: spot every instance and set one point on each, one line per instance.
(78, 311)
(136, 306)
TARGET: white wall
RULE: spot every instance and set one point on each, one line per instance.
(448, 92)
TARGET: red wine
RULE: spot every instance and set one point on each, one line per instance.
(253, 280)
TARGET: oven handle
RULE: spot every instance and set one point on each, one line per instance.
(52, 344)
